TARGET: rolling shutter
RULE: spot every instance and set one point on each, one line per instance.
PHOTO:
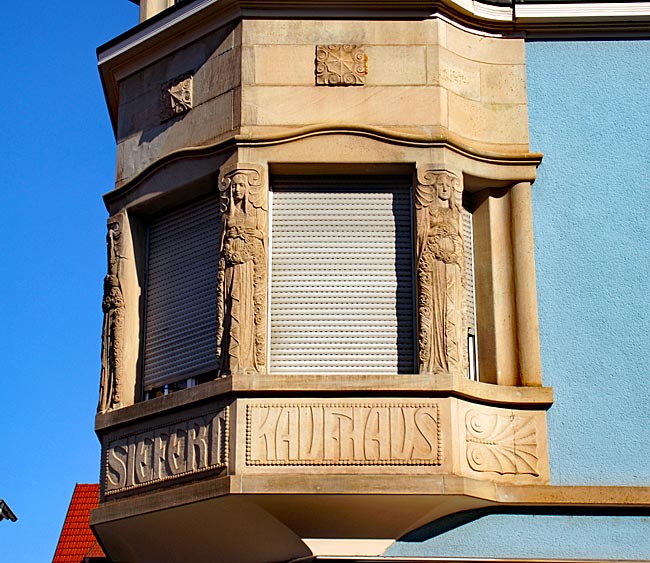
(180, 316)
(470, 293)
(342, 276)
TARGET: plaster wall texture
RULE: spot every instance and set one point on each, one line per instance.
(588, 115)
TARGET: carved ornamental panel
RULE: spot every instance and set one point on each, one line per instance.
(176, 97)
(196, 445)
(341, 65)
(501, 443)
(343, 433)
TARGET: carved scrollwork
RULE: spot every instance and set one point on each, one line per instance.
(440, 273)
(341, 65)
(113, 327)
(501, 444)
(241, 303)
(176, 97)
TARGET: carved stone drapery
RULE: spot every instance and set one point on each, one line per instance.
(440, 273)
(113, 327)
(241, 303)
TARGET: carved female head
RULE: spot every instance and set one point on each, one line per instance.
(239, 187)
(242, 186)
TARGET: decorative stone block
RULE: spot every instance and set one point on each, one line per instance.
(196, 445)
(176, 97)
(343, 433)
(341, 65)
(504, 444)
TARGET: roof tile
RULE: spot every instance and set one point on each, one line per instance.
(77, 540)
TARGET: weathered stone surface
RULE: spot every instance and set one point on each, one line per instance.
(165, 452)
(341, 65)
(342, 433)
(242, 281)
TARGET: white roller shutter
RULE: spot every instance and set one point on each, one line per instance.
(470, 293)
(180, 314)
(342, 276)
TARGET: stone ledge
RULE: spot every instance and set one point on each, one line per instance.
(359, 385)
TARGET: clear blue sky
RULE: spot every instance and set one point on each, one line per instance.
(58, 158)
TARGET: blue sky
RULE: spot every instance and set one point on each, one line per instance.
(58, 158)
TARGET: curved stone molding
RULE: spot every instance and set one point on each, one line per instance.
(113, 327)
(440, 273)
(343, 433)
(242, 287)
(504, 444)
(341, 65)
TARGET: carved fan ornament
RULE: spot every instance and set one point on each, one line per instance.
(341, 65)
(501, 443)
(241, 284)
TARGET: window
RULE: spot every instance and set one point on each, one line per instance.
(342, 275)
(181, 279)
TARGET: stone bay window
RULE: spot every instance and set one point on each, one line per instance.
(320, 294)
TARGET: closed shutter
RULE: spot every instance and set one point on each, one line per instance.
(180, 317)
(342, 276)
(470, 294)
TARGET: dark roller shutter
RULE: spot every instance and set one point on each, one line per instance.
(342, 276)
(180, 317)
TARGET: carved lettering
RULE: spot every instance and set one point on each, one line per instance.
(116, 465)
(343, 434)
(192, 446)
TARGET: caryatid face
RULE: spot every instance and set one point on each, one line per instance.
(444, 187)
(239, 187)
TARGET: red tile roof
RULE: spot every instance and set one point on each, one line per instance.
(77, 540)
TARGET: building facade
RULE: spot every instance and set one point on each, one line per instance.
(322, 319)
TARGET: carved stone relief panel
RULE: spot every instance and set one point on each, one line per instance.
(442, 331)
(195, 445)
(176, 96)
(341, 65)
(343, 433)
(504, 443)
(113, 327)
(242, 278)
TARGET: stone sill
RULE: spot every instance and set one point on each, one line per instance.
(319, 385)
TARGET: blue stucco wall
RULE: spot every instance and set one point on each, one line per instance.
(589, 112)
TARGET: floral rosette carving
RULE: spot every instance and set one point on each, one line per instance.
(501, 444)
(341, 65)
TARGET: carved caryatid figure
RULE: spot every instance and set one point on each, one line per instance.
(440, 273)
(241, 305)
(113, 328)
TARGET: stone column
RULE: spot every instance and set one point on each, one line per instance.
(530, 365)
